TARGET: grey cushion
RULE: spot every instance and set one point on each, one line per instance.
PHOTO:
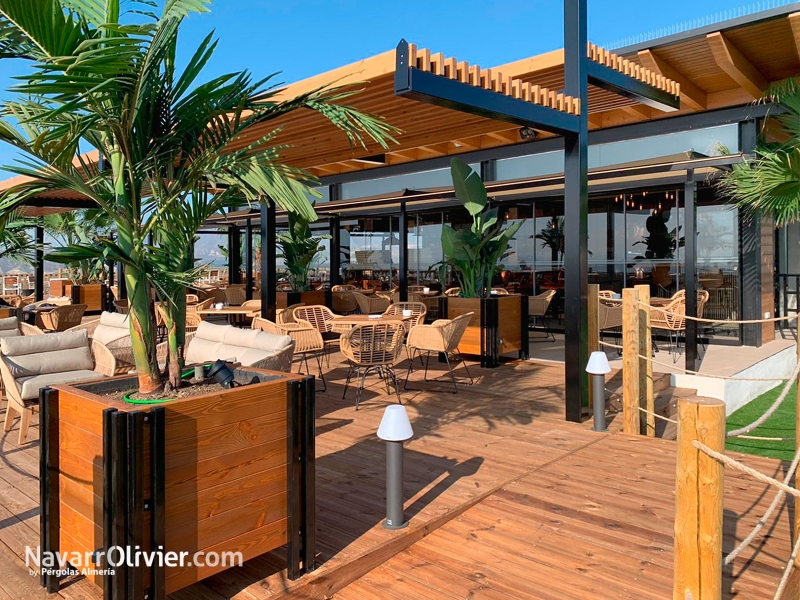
(246, 346)
(10, 333)
(26, 356)
(9, 324)
(29, 386)
(112, 327)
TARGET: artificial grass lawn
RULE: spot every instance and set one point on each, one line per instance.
(781, 424)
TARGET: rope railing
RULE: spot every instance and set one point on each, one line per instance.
(783, 488)
(657, 416)
(690, 372)
(682, 315)
(771, 410)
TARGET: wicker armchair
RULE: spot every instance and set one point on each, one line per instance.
(10, 326)
(672, 318)
(418, 312)
(114, 335)
(500, 291)
(343, 302)
(63, 317)
(235, 294)
(344, 288)
(193, 318)
(374, 347)
(395, 297)
(370, 305)
(441, 337)
(307, 340)
(452, 292)
(320, 318)
(286, 315)
(122, 306)
(192, 298)
(537, 309)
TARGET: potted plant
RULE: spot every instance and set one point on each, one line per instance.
(499, 323)
(299, 250)
(161, 141)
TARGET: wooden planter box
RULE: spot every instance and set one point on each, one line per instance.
(313, 298)
(230, 471)
(498, 326)
(94, 295)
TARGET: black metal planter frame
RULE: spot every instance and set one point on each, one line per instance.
(490, 329)
(124, 504)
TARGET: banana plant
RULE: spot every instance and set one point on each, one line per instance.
(107, 79)
(474, 253)
(298, 249)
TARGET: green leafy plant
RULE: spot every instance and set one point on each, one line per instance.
(81, 227)
(16, 242)
(769, 184)
(298, 249)
(473, 253)
(106, 78)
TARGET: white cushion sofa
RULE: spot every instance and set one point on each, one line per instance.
(113, 331)
(248, 347)
(29, 363)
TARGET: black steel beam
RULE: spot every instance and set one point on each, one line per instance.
(49, 502)
(403, 264)
(750, 255)
(122, 288)
(269, 277)
(234, 255)
(157, 502)
(109, 513)
(335, 230)
(413, 83)
(690, 254)
(39, 266)
(630, 131)
(295, 478)
(576, 210)
(134, 505)
(309, 485)
(248, 260)
(623, 85)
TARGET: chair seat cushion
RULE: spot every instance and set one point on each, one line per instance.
(9, 325)
(246, 346)
(29, 386)
(112, 327)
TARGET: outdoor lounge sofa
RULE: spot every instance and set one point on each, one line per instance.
(248, 347)
(114, 332)
(29, 363)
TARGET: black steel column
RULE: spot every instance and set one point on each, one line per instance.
(403, 266)
(269, 278)
(234, 255)
(576, 207)
(336, 250)
(690, 254)
(122, 288)
(39, 273)
(248, 260)
(749, 254)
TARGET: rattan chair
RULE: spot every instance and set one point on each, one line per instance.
(441, 337)
(235, 294)
(307, 340)
(122, 306)
(418, 312)
(395, 297)
(320, 318)
(63, 317)
(347, 287)
(372, 347)
(192, 298)
(193, 318)
(371, 305)
(500, 291)
(537, 309)
(343, 302)
(609, 315)
(672, 318)
(452, 292)
(286, 315)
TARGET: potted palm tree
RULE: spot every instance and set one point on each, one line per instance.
(499, 323)
(161, 159)
(299, 249)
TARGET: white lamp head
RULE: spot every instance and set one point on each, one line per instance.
(395, 425)
(598, 364)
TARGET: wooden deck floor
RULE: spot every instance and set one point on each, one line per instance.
(504, 499)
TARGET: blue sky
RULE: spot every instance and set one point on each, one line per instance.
(305, 37)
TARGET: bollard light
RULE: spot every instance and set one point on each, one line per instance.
(597, 367)
(395, 428)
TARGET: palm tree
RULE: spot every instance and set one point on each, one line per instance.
(157, 133)
(80, 227)
(16, 242)
(769, 184)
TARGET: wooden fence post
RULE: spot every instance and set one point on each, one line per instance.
(630, 362)
(646, 366)
(699, 488)
(593, 309)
